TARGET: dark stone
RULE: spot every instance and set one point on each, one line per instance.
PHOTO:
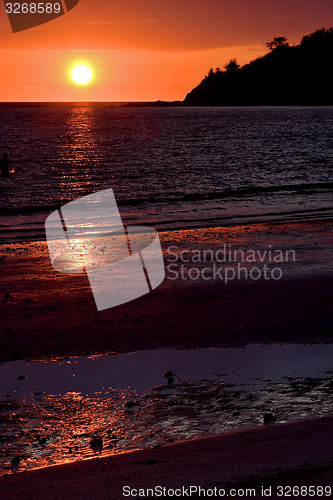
(269, 418)
(15, 460)
(5, 298)
(96, 444)
(131, 404)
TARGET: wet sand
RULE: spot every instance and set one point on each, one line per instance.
(299, 453)
(49, 314)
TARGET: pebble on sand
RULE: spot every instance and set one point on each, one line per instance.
(269, 418)
(131, 404)
(96, 444)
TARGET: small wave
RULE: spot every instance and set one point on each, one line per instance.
(28, 210)
(19, 234)
(308, 188)
(299, 188)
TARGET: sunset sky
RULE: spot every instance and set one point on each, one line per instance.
(145, 50)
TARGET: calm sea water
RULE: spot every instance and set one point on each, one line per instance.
(168, 167)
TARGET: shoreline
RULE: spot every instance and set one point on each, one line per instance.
(285, 454)
(49, 314)
(195, 225)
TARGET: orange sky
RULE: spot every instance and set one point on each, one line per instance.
(145, 50)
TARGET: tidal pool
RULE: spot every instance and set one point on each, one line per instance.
(60, 411)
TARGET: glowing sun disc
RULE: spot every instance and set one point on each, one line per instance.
(81, 74)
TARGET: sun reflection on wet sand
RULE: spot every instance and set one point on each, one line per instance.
(91, 418)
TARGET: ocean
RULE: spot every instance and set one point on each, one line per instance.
(169, 167)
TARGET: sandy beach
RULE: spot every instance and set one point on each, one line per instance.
(294, 454)
(49, 314)
(46, 314)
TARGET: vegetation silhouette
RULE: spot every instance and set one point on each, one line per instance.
(288, 75)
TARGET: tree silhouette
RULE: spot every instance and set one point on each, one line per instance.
(277, 43)
(232, 66)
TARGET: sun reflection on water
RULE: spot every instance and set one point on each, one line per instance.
(66, 410)
(79, 150)
(55, 429)
(79, 129)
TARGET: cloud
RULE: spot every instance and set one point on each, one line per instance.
(133, 21)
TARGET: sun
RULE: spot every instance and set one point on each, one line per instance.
(82, 74)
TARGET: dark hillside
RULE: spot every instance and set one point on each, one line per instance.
(288, 75)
